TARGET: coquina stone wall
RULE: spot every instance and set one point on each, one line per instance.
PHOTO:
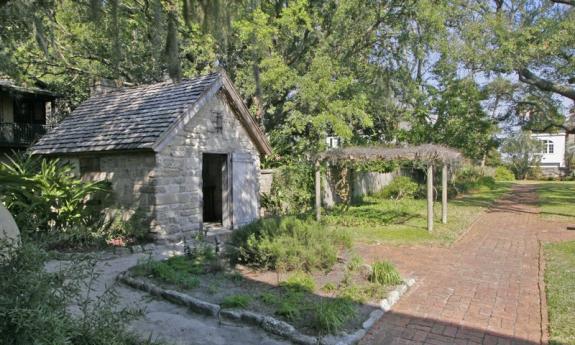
(214, 129)
(132, 176)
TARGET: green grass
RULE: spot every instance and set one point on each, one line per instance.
(299, 281)
(560, 290)
(236, 301)
(384, 273)
(405, 221)
(557, 200)
(182, 271)
(330, 315)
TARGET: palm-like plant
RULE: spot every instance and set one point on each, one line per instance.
(45, 195)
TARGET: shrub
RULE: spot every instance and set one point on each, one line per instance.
(291, 191)
(299, 281)
(330, 315)
(127, 224)
(45, 197)
(236, 301)
(472, 178)
(286, 243)
(384, 273)
(33, 303)
(503, 174)
(401, 187)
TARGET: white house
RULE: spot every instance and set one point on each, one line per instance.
(552, 153)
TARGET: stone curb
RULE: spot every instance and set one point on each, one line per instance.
(197, 305)
(394, 295)
(268, 323)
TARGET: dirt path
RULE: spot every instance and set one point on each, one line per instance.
(485, 289)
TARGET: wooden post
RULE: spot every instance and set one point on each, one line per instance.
(317, 191)
(444, 194)
(430, 197)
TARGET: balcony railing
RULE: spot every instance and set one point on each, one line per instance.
(20, 134)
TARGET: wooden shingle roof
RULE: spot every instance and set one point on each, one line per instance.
(141, 117)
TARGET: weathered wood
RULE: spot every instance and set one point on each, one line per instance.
(444, 194)
(317, 191)
(430, 197)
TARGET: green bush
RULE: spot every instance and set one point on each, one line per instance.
(401, 187)
(33, 303)
(46, 198)
(384, 273)
(472, 178)
(503, 174)
(286, 243)
(292, 190)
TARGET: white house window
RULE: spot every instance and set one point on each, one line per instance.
(547, 146)
(333, 142)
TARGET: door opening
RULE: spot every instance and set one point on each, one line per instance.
(214, 188)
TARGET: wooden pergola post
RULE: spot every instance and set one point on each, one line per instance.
(430, 197)
(444, 194)
(317, 191)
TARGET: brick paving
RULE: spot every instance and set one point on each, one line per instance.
(484, 289)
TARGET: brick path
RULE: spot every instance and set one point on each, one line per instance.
(485, 289)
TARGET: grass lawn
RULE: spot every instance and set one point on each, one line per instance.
(560, 290)
(557, 200)
(405, 221)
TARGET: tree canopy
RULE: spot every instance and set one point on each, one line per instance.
(451, 70)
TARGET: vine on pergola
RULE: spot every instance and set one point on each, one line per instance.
(386, 159)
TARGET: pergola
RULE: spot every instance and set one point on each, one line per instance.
(429, 154)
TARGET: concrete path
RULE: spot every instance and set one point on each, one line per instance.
(166, 321)
(485, 289)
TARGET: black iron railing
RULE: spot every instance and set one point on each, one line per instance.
(20, 133)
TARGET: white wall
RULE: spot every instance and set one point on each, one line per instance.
(557, 158)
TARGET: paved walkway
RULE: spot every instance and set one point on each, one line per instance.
(485, 289)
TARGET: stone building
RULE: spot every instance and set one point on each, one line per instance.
(186, 154)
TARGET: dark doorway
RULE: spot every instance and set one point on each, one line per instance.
(214, 186)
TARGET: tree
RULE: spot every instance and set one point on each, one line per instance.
(522, 152)
(524, 47)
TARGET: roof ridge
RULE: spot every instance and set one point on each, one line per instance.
(154, 84)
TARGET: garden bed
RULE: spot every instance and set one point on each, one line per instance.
(316, 304)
